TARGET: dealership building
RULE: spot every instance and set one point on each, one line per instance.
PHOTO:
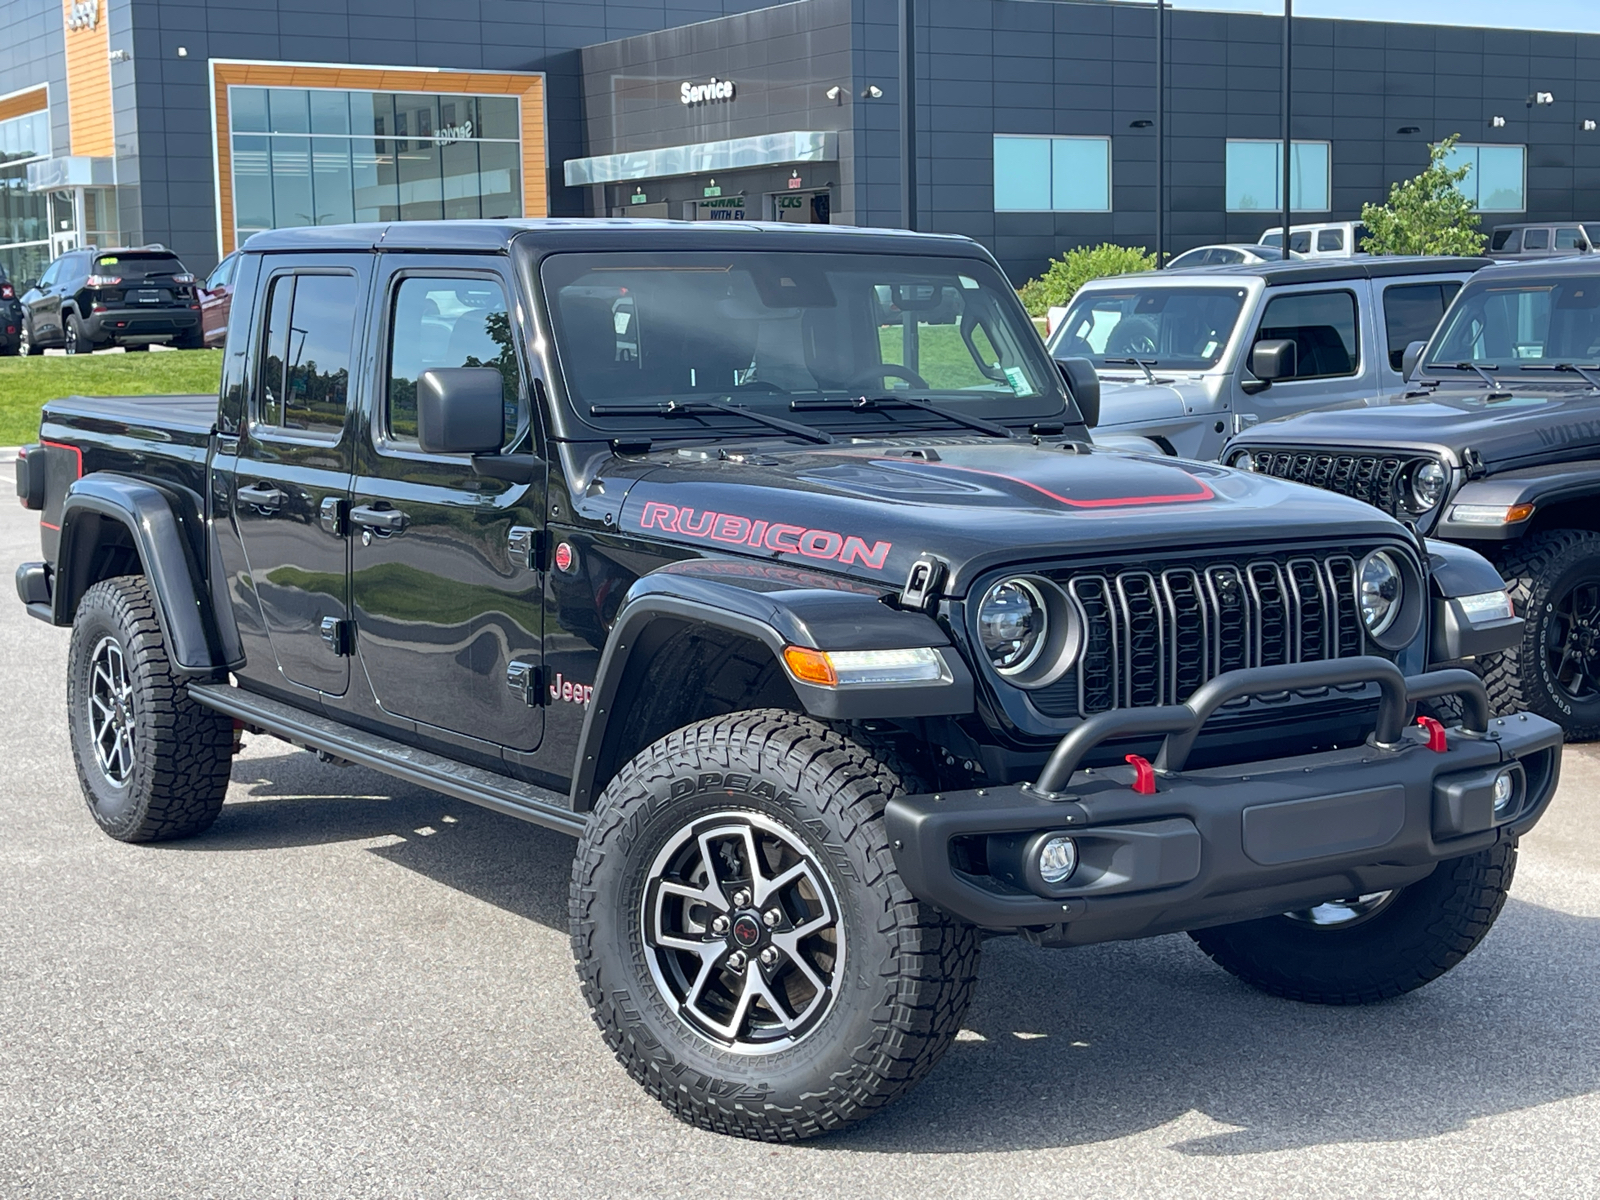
(198, 124)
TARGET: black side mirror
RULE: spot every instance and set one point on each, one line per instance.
(1410, 358)
(460, 410)
(1274, 359)
(1083, 385)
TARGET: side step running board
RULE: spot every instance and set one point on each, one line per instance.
(502, 794)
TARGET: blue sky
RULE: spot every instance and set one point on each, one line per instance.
(1577, 16)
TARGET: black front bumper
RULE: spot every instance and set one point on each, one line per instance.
(1227, 844)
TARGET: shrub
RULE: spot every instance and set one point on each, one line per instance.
(1072, 270)
(1427, 214)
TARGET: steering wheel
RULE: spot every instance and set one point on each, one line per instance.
(1134, 336)
(882, 371)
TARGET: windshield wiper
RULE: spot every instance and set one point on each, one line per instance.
(1487, 375)
(699, 408)
(872, 403)
(1142, 363)
(1591, 375)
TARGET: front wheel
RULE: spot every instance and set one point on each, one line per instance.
(743, 937)
(26, 346)
(1362, 949)
(153, 764)
(1554, 580)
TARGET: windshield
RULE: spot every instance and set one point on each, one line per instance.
(780, 332)
(1181, 329)
(1532, 323)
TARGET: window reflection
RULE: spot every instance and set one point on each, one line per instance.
(319, 156)
(447, 323)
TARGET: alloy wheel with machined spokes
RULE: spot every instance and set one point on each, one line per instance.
(743, 932)
(111, 717)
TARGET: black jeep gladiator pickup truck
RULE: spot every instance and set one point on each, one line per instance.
(776, 565)
(1495, 446)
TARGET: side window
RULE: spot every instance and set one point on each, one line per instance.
(1299, 243)
(1411, 313)
(1508, 240)
(1330, 239)
(222, 274)
(441, 322)
(305, 376)
(1322, 326)
(1570, 239)
(50, 273)
(1536, 239)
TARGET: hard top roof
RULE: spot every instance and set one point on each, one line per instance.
(1542, 268)
(591, 232)
(1333, 270)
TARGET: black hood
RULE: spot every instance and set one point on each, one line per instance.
(1532, 423)
(871, 511)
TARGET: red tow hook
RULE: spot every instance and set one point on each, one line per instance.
(1144, 775)
(1436, 739)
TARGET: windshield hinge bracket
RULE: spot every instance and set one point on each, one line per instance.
(922, 583)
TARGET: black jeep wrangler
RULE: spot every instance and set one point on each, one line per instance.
(776, 565)
(1495, 446)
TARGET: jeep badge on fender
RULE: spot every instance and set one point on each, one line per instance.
(778, 566)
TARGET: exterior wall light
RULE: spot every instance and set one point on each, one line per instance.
(183, 52)
(1588, 125)
(872, 92)
(1409, 129)
(834, 93)
(1140, 124)
(1497, 122)
(1541, 98)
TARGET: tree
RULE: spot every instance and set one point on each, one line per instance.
(1065, 275)
(1426, 215)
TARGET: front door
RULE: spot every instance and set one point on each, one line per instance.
(445, 587)
(294, 467)
(1327, 328)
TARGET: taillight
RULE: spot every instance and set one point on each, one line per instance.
(184, 278)
(102, 281)
(7, 292)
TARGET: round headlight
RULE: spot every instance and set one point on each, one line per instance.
(1011, 625)
(1242, 460)
(1427, 486)
(1379, 590)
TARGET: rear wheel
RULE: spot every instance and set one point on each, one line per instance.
(77, 335)
(153, 764)
(1362, 949)
(744, 940)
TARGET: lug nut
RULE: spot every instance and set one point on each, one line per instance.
(736, 961)
(741, 899)
(719, 926)
(768, 957)
(771, 917)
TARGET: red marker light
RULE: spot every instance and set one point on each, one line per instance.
(564, 557)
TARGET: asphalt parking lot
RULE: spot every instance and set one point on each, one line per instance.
(352, 987)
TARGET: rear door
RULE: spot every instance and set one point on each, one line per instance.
(445, 589)
(44, 310)
(294, 467)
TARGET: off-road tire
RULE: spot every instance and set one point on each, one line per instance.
(76, 335)
(1427, 928)
(907, 972)
(1539, 571)
(182, 752)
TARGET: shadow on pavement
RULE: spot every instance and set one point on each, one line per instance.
(1071, 1047)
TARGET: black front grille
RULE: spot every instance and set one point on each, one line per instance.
(1379, 479)
(1152, 634)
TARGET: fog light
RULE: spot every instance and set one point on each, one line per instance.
(1058, 859)
(1505, 791)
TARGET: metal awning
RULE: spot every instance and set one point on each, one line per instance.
(71, 171)
(702, 158)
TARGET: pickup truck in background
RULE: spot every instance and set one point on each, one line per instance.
(775, 565)
(1188, 358)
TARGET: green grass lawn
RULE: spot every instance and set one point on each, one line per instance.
(27, 383)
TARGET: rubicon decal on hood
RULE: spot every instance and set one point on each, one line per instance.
(730, 529)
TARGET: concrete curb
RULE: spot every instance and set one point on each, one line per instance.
(9, 453)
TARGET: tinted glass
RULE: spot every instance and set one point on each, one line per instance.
(138, 266)
(1411, 313)
(771, 330)
(317, 367)
(1570, 238)
(1322, 326)
(269, 400)
(222, 273)
(1539, 322)
(1177, 328)
(1536, 239)
(1253, 176)
(1330, 239)
(1021, 174)
(447, 323)
(1063, 174)
(1509, 240)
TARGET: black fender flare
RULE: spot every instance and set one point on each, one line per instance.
(1455, 571)
(827, 617)
(177, 576)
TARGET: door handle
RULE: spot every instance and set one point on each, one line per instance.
(384, 520)
(262, 496)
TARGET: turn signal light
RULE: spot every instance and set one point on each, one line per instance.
(848, 668)
(1490, 514)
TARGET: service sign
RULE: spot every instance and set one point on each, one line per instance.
(704, 93)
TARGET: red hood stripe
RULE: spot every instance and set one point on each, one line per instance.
(1205, 492)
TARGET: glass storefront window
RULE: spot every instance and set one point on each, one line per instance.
(24, 215)
(313, 156)
(1254, 176)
